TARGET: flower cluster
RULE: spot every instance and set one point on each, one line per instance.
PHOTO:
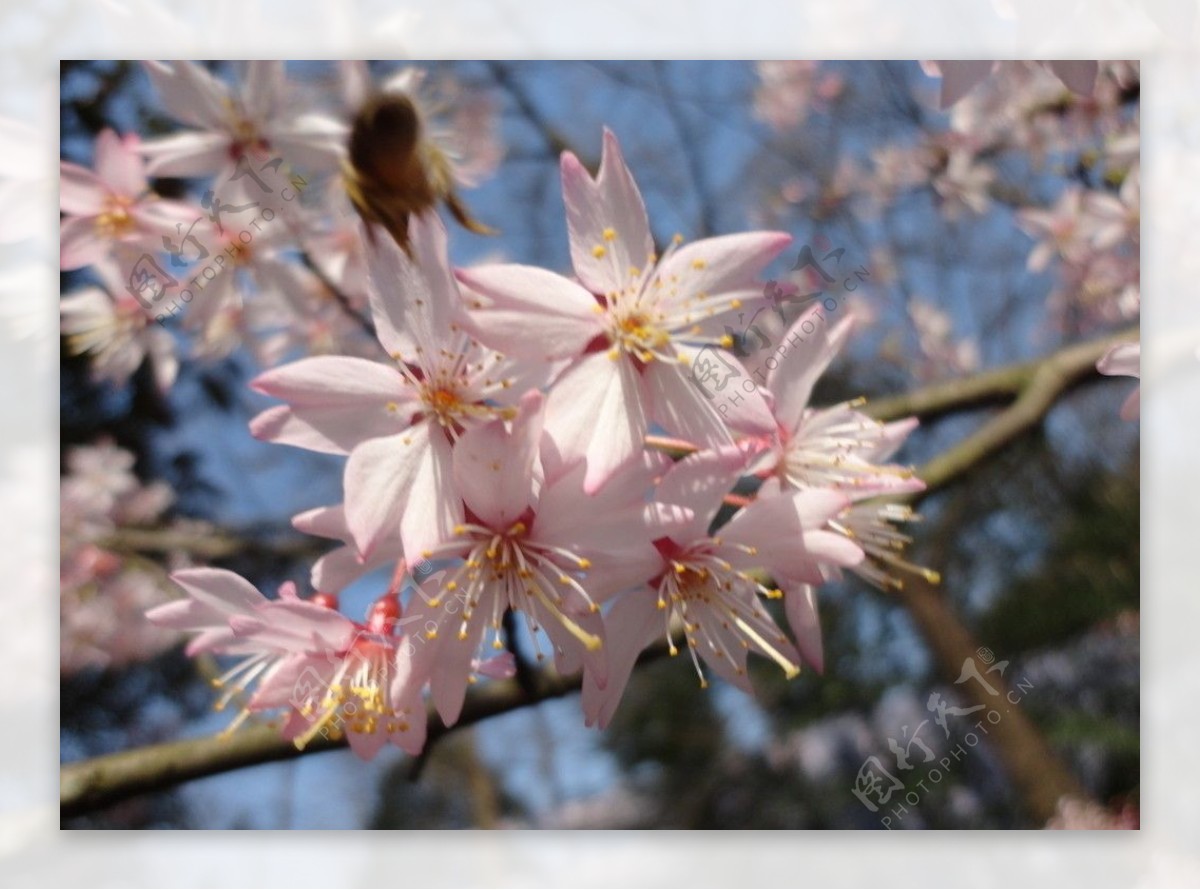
(509, 460)
(103, 589)
(262, 251)
(1076, 117)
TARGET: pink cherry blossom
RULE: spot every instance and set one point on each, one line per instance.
(536, 543)
(260, 116)
(112, 204)
(115, 330)
(703, 581)
(632, 324)
(103, 594)
(963, 182)
(840, 449)
(397, 420)
(789, 90)
(942, 354)
(828, 447)
(1058, 228)
(332, 676)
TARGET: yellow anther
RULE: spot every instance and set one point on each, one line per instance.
(698, 264)
(610, 234)
(598, 251)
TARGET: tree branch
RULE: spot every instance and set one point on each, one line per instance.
(1037, 386)
(997, 386)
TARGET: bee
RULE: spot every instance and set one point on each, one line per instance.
(391, 171)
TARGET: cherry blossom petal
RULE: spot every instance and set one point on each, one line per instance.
(683, 407)
(450, 665)
(786, 535)
(727, 265)
(699, 483)
(569, 517)
(314, 143)
(118, 164)
(80, 243)
(334, 403)
(530, 312)
(295, 624)
(808, 355)
(80, 191)
(192, 153)
(263, 88)
(324, 522)
(800, 606)
(606, 220)
(1124, 359)
(494, 467)
(596, 411)
(219, 588)
(413, 301)
(402, 482)
(634, 622)
(190, 93)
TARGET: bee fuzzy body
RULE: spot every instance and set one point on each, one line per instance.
(391, 172)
